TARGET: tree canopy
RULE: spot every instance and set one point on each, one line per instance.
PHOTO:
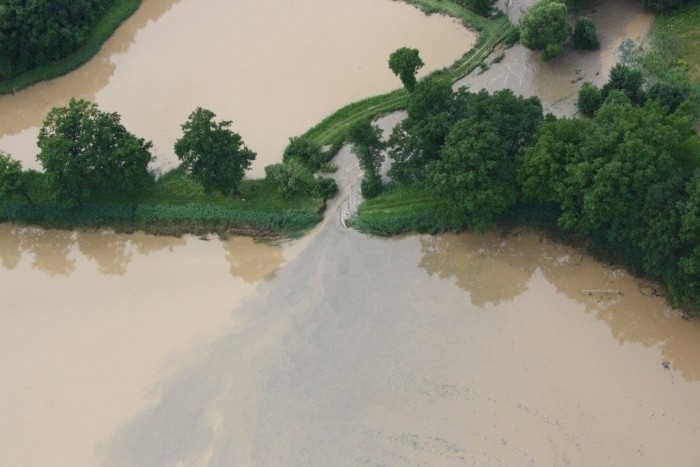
(39, 31)
(545, 27)
(366, 140)
(87, 153)
(405, 63)
(212, 153)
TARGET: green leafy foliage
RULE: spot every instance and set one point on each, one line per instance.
(213, 153)
(88, 154)
(39, 31)
(590, 98)
(10, 176)
(584, 36)
(545, 27)
(292, 178)
(307, 152)
(627, 79)
(623, 179)
(477, 168)
(405, 63)
(480, 7)
(367, 143)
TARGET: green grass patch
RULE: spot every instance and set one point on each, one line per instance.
(402, 209)
(115, 15)
(678, 33)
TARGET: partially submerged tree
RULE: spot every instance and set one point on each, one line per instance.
(545, 27)
(584, 36)
(589, 99)
(87, 153)
(213, 153)
(306, 151)
(405, 63)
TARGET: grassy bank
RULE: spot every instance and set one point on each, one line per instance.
(177, 206)
(333, 129)
(103, 30)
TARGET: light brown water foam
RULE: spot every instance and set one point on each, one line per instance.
(275, 68)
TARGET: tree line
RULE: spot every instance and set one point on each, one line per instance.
(37, 32)
(87, 155)
(626, 180)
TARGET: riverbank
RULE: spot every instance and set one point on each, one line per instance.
(177, 207)
(119, 12)
(333, 128)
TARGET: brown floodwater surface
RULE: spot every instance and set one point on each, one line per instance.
(274, 68)
(336, 349)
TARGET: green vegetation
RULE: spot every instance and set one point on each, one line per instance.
(96, 175)
(545, 27)
(625, 181)
(675, 39)
(584, 36)
(405, 63)
(87, 153)
(366, 140)
(212, 153)
(45, 39)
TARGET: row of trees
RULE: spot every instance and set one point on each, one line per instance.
(628, 180)
(88, 155)
(36, 32)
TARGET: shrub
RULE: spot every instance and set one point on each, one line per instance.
(589, 99)
(584, 36)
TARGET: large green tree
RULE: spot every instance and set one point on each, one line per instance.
(405, 63)
(87, 153)
(12, 178)
(213, 153)
(368, 145)
(545, 27)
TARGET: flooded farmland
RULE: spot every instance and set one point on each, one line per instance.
(335, 349)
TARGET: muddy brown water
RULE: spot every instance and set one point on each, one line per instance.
(336, 349)
(557, 82)
(272, 67)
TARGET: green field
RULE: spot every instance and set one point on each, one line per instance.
(681, 31)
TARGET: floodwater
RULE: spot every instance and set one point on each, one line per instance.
(336, 349)
(272, 67)
(558, 81)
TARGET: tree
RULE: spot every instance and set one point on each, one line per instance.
(477, 169)
(87, 153)
(589, 99)
(12, 179)
(212, 153)
(667, 94)
(306, 151)
(628, 80)
(480, 7)
(292, 178)
(584, 36)
(545, 27)
(367, 143)
(405, 63)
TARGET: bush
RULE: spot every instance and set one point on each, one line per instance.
(292, 178)
(325, 188)
(584, 36)
(513, 36)
(307, 152)
(589, 99)
(371, 187)
(668, 95)
(480, 7)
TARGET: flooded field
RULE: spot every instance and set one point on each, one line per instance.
(557, 82)
(272, 67)
(335, 349)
